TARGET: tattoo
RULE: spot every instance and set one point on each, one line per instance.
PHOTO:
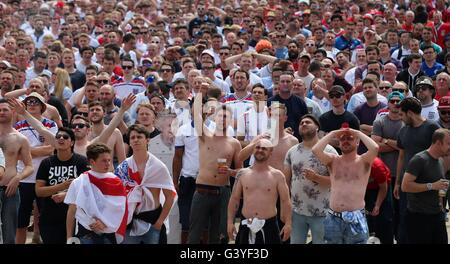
(239, 174)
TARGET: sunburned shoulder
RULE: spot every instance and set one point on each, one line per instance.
(276, 173)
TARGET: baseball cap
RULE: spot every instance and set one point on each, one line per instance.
(424, 80)
(6, 63)
(39, 97)
(395, 94)
(146, 59)
(46, 73)
(444, 102)
(336, 89)
(209, 52)
(304, 1)
(305, 55)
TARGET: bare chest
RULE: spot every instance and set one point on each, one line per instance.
(354, 171)
(10, 144)
(213, 150)
(259, 183)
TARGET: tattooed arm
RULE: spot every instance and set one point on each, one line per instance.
(233, 204)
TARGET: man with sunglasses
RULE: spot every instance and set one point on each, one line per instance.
(345, 222)
(333, 119)
(130, 83)
(386, 128)
(40, 149)
(426, 93)
(53, 178)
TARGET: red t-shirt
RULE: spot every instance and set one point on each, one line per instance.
(379, 174)
(443, 30)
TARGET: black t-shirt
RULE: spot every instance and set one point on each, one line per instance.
(78, 79)
(54, 171)
(426, 169)
(61, 109)
(330, 121)
(296, 108)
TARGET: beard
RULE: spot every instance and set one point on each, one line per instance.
(261, 158)
(309, 134)
(293, 55)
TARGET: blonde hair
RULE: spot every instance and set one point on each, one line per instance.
(62, 81)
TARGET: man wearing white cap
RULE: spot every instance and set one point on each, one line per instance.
(260, 186)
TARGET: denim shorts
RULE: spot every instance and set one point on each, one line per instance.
(340, 231)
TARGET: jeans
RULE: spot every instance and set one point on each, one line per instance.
(151, 237)
(382, 224)
(337, 231)
(9, 209)
(300, 226)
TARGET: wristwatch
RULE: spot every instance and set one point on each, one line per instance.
(429, 186)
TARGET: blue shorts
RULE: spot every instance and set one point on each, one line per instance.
(346, 227)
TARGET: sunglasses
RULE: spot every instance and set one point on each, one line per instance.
(85, 114)
(443, 112)
(337, 96)
(399, 90)
(166, 70)
(224, 53)
(64, 136)
(102, 81)
(310, 45)
(127, 67)
(79, 125)
(384, 87)
(326, 66)
(270, 20)
(207, 68)
(32, 102)
(393, 101)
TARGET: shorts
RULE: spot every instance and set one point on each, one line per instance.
(269, 234)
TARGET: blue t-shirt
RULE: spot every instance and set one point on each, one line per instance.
(343, 43)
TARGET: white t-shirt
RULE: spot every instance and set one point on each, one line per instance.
(187, 138)
(430, 111)
(35, 140)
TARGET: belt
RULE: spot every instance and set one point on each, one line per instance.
(339, 214)
(207, 189)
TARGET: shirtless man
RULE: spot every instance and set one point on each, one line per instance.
(283, 141)
(15, 147)
(115, 141)
(260, 185)
(345, 222)
(212, 193)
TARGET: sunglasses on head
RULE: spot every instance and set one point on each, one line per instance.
(333, 95)
(64, 136)
(79, 125)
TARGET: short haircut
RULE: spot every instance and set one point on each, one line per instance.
(96, 103)
(439, 135)
(240, 70)
(411, 104)
(93, 151)
(368, 80)
(258, 85)
(138, 129)
(181, 80)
